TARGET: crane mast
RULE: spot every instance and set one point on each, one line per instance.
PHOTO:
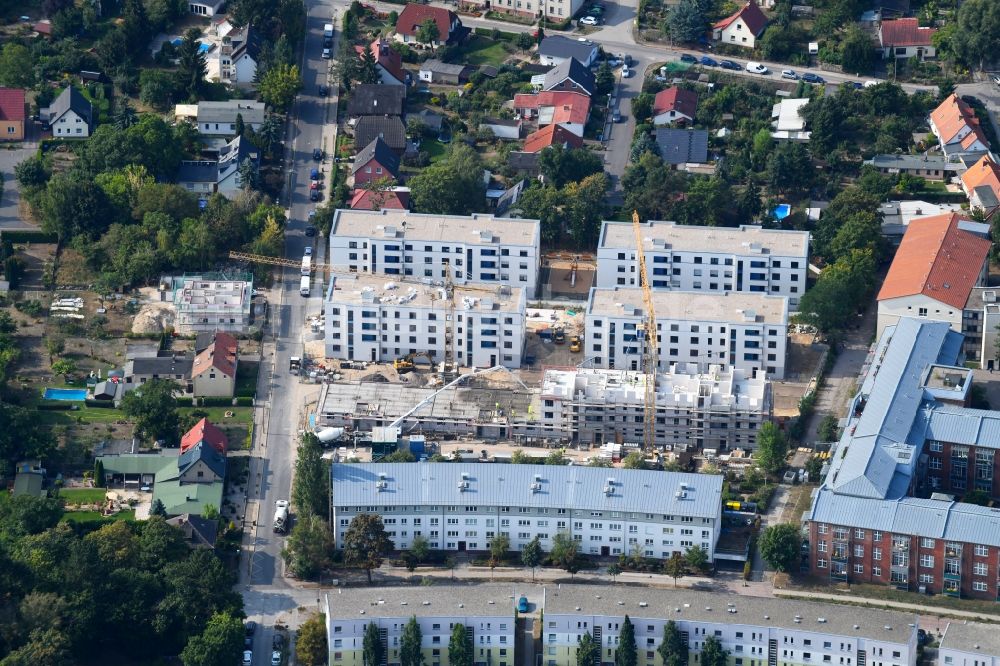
(651, 356)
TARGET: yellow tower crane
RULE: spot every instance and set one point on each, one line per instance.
(651, 355)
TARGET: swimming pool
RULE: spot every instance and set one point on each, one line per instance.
(78, 395)
(202, 46)
(781, 211)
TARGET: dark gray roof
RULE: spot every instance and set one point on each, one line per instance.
(202, 530)
(376, 100)
(987, 196)
(391, 129)
(234, 153)
(559, 46)
(248, 41)
(509, 198)
(520, 161)
(574, 70)
(501, 122)
(204, 452)
(203, 340)
(71, 98)
(430, 119)
(441, 67)
(201, 171)
(680, 146)
(379, 151)
(163, 366)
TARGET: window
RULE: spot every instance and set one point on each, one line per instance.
(982, 551)
(979, 586)
(927, 561)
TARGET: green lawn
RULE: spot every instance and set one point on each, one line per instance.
(246, 378)
(83, 495)
(480, 50)
(96, 517)
(84, 413)
(241, 415)
(434, 149)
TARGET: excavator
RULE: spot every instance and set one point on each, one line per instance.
(405, 364)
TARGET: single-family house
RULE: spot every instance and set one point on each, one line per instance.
(70, 115)
(29, 479)
(674, 105)
(214, 369)
(396, 198)
(929, 167)
(981, 183)
(43, 28)
(509, 198)
(207, 177)
(556, 49)
(205, 7)
(904, 38)
(569, 109)
(207, 433)
(682, 146)
(741, 28)
(375, 161)
(198, 532)
(502, 128)
(414, 16)
(389, 128)
(388, 61)
(12, 114)
(524, 163)
(185, 483)
(234, 61)
(373, 99)
(957, 129)
(788, 123)
(218, 119)
(436, 71)
(551, 135)
(569, 75)
(176, 367)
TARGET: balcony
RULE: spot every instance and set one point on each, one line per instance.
(957, 576)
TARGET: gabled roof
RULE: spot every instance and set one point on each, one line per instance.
(12, 104)
(373, 99)
(71, 99)
(559, 46)
(551, 135)
(198, 171)
(441, 67)
(952, 116)
(985, 172)
(199, 532)
(522, 161)
(205, 453)
(247, 42)
(397, 198)
(676, 99)
(937, 259)
(234, 153)
(566, 106)
(387, 57)
(413, 15)
(164, 366)
(225, 112)
(379, 151)
(391, 129)
(204, 431)
(752, 16)
(221, 355)
(571, 69)
(682, 146)
(904, 32)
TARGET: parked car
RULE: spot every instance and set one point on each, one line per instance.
(996, 79)
(614, 62)
(328, 42)
(314, 195)
(250, 627)
(314, 174)
(314, 185)
(857, 85)
(789, 74)
(308, 251)
(247, 657)
(522, 604)
(869, 83)
(687, 57)
(310, 230)
(324, 91)
(627, 59)
(317, 154)
(275, 658)
(729, 64)
(626, 72)
(326, 54)
(589, 20)
(595, 11)
(278, 641)
(616, 117)
(809, 77)
(756, 68)
(709, 62)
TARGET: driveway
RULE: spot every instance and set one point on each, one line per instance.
(10, 197)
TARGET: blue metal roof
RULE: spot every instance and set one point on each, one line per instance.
(958, 425)
(495, 484)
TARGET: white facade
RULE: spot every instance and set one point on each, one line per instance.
(475, 248)
(919, 306)
(204, 7)
(734, 330)
(710, 259)
(969, 644)
(368, 319)
(70, 124)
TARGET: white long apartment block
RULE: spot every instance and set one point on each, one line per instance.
(755, 631)
(969, 644)
(462, 506)
(370, 319)
(717, 409)
(474, 248)
(696, 258)
(487, 611)
(734, 330)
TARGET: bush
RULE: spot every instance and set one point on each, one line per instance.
(99, 404)
(55, 405)
(244, 401)
(29, 236)
(185, 402)
(216, 401)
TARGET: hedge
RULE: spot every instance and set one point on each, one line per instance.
(216, 401)
(244, 401)
(502, 34)
(55, 405)
(100, 404)
(185, 402)
(28, 236)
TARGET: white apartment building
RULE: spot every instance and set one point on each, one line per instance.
(462, 506)
(475, 248)
(718, 409)
(209, 302)
(734, 330)
(969, 644)
(695, 258)
(370, 319)
(756, 631)
(487, 611)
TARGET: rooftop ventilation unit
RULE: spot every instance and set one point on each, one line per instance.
(821, 620)
(465, 476)
(381, 475)
(611, 481)
(609, 490)
(538, 477)
(535, 487)
(643, 604)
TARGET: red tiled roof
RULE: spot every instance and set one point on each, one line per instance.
(12, 104)
(414, 15)
(905, 32)
(568, 106)
(204, 431)
(549, 136)
(386, 56)
(43, 27)
(221, 355)
(938, 260)
(752, 16)
(676, 99)
(394, 199)
(952, 116)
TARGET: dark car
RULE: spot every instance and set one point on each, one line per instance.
(310, 232)
(687, 57)
(317, 154)
(250, 627)
(729, 64)
(323, 91)
(314, 195)
(808, 77)
(328, 42)
(857, 85)
(278, 642)
(709, 62)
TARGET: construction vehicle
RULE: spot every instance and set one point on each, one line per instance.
(405, 364)
(647, 333)
(281, 516)
(575, 344)
(559, 335)
(294, 364)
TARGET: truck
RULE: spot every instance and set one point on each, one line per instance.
(307, 261)
(304, 285)
(281, 516)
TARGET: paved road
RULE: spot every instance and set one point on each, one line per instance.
(10, 194)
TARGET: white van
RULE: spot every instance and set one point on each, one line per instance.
(304, 285)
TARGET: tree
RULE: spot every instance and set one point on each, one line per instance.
(588, 652)
(772, 447)
(687, 22)
(157, 509)
(32, 172)
(372, 649)
(675, 567)
(126, 116)
(157, 88)
(977, 31)
(519, 457)
(410, 651)
(524, 41)
(17, 69)
(310, 641)
(857, 51)
(366, 543)
(153, 407)
(279, 86)
(780, 546)
(499, 546)
(712, 653)
(565, 552)
(634, 460)
(309, 548)
(459, 653)
(614, 571)
(672, 649)
(834, 299)
(220, 643)
(789, 168)
(696, 558)
(560, 165)
(605, 79)
(980, 497)
(531, 554)
(73, 204)
(99, 478)
(428, 32)
(64, 366)
(420, 548)
(642, 107)
(191, 64)
(269, 134)
(367, 72)
(749, 203)
(452, 186)
(55, 344)
(626, 654)
(311, 487)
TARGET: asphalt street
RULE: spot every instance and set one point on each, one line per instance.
(10, 195)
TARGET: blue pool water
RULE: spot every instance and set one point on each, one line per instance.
(202, 46)
(78, 395)
(781, 211)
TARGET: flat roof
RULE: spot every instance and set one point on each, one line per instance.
(427, 601)
(538, 486)
(465, 229)
(695, 606)
(366, 289)
(731, 307)
(971, 637)
(745, 239)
